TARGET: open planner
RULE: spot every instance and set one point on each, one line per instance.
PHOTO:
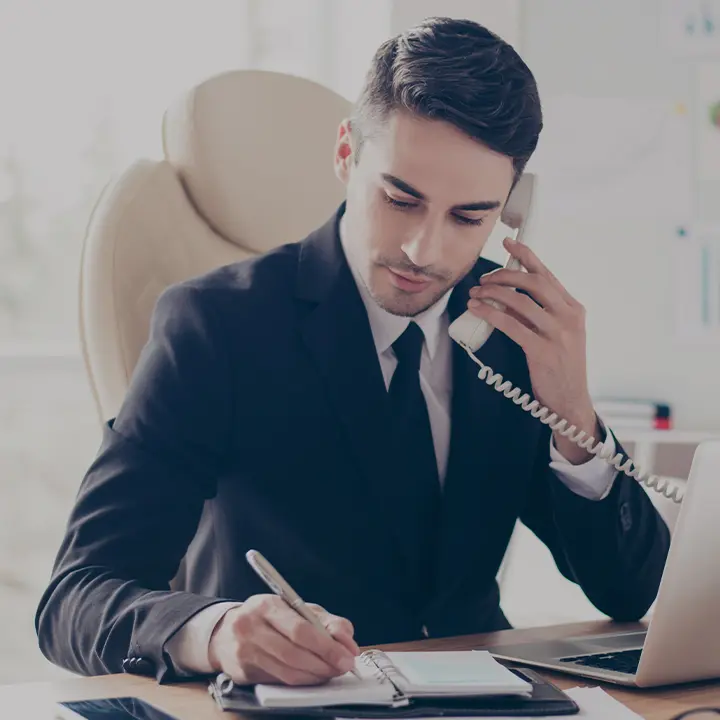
(404, 684)
(393, 678)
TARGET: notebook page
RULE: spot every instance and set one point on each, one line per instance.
(344, 690)
(461, 672)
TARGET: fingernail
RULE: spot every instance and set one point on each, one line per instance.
(346, 663)
(474, 303)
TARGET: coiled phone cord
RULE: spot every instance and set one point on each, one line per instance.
(619, 461)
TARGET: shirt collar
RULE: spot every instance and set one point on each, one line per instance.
(387, 328)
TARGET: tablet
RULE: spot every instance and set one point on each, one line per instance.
(122, 708)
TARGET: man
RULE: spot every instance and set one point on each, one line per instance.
(310, 404)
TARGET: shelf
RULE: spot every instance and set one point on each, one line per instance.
(664, 437)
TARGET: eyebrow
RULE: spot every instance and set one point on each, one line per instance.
(410, 190)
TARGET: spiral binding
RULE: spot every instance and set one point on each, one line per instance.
(620, 462)
(383, 670)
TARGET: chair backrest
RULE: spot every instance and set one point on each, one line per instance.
(247, 167)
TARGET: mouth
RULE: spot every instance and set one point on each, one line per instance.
(407, 282)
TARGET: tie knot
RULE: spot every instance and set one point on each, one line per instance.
(408, 346)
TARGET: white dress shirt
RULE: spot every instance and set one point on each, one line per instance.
(593, 479)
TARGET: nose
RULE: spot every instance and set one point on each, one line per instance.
(423, 248)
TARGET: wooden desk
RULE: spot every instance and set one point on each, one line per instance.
(191, 701)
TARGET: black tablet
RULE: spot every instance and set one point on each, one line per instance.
(122, 708)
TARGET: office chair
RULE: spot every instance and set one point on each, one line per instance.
(247, 166)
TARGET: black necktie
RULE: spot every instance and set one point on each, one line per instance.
(409, 409)
(415, 450)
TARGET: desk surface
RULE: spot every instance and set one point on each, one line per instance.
(191, 701)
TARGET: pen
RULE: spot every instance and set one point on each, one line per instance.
(277, 583)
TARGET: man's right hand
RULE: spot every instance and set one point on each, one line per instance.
(264, 640)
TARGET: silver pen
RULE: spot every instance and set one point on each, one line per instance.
(277, 583)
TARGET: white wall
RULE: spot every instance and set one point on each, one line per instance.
(359, 29)
(500, 16)
(613, 249)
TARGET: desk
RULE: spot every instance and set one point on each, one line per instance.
(190, 701)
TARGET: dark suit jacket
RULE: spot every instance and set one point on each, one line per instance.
(256, 418)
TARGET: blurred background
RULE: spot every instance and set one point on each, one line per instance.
(628, 217)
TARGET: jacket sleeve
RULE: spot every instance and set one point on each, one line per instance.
(108, 607)
(614, 548)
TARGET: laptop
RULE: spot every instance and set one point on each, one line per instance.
(682, 641)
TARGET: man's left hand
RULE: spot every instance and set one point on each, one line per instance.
(550, 328)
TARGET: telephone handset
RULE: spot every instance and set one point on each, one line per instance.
(470, 330)
(471, 333)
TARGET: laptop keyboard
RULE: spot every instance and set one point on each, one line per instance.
(624, 661)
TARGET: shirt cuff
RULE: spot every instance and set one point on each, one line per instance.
(188, 647)
(592, 479)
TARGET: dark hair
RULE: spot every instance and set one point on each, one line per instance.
(460, 72)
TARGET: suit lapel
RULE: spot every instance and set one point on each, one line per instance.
(336, 332)
(481, 489)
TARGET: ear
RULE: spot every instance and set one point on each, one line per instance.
(344, 152)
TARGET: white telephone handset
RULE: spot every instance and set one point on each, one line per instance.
(469, 330)
(471, 333)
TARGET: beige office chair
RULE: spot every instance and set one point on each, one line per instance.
(247, 167)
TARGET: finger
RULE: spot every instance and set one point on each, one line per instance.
(474, 293)
(521, 305)
(340, 628)
(343, 631)
(334, 623)
(537, 286)
(267, 668)
(520, 319)
(532, 263)
(319, 609)
(278, 646)
(500, 320)
(528, 259)
(302, 633)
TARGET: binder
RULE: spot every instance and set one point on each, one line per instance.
(543, 699)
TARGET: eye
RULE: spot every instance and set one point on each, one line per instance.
(397, 203)
(468, 221)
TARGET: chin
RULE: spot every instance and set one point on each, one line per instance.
(404, 304)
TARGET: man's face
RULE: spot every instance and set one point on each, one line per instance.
(421, 204)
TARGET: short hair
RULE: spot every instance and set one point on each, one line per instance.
(460, 72)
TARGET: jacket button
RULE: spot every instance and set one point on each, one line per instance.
(138, 666)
